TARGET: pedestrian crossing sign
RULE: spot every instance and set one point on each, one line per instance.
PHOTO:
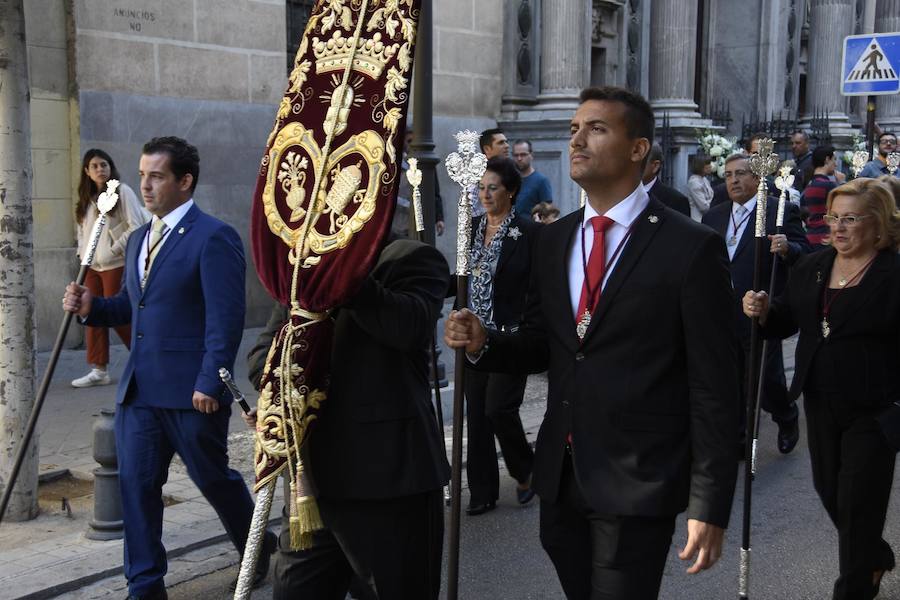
(871, 64)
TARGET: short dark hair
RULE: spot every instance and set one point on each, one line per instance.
(487, 137)
(656, 153)
(509, 174)
(519, 142)
(801, 132)
(639, 119)
(698, 164)
(820, 155)
(183, 157)
(759, 135)
(884, 133)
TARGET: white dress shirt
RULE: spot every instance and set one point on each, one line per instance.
(623, 215)
(739, 213)
(171, 220)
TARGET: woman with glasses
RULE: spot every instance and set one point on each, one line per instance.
(845, 301)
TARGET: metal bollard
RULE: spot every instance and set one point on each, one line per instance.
(107, 521)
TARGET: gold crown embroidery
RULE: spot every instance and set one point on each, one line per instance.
(372, 55)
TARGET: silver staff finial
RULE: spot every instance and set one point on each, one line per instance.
(414, 176)
(860, 158)
(465, 167)
(763, 164)
(893, 161)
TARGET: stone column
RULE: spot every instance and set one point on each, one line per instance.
(673, 54)
(887, 19)
(565, 53)
(830, 21)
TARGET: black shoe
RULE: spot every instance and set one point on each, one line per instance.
(157, 595)
(270, 544)
(480, 509)
(788, 436)
(525, 496)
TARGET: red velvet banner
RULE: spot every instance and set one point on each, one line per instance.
(325, 197)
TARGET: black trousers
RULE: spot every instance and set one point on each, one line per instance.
(603, 557)
(390, 548)
(853, 471)
(775, 399)
(492, 409)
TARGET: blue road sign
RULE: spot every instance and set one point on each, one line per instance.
(871, 64)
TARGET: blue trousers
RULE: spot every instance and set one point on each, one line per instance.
(146, 440)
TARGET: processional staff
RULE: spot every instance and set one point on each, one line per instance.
(465, 167)
(762, 164)
(784, 181)
(105, 203)
(414, 176)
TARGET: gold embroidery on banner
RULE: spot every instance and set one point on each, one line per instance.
(370, 58)
(295, 151)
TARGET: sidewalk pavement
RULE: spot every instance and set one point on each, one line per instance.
(50, 556)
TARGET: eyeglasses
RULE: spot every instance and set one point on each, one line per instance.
(738, 174)
(846, 220)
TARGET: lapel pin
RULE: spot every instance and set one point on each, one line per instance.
(514, 233)
(181, 231)
(653, 219)
(818, 276)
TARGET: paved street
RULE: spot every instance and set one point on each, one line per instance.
(794, 544)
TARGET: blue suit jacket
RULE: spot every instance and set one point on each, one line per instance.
(188, 320)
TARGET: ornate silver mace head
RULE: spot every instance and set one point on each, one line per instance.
(465, 167)
(414, 176)
(784, 181)
(860, 158)
(893, 161)
(763, 164)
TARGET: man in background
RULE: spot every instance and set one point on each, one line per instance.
(535, 187)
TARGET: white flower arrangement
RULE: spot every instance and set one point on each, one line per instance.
(718, 148)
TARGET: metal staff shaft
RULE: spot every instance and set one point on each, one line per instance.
(236, 393)
(466, 166)
(762, 165)
(254, 541)
(785, 181)
(106, 201)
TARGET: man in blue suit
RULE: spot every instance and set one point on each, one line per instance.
(183, 294)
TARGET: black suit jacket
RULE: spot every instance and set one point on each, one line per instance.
(870, 331)
(376, 434)
(651, 394)
(512, 274)
(671, 198)
(742, 264)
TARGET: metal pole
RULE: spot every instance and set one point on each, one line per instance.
(870, 126)
(762, 165)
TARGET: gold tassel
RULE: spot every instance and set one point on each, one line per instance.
(305, 518)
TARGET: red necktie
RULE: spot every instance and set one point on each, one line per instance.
(596, 267)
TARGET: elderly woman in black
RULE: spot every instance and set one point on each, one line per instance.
(501, 261)
(845, 301)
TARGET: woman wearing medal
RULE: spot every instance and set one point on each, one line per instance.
(845, 302)
(501, 264)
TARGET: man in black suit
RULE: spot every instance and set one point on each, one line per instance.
(375, 450)
(657, 189)
(735, 222)
(642, 405)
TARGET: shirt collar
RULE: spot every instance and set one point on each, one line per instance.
(625, 211)
(749, 205)
(172, 219)
(649, 185)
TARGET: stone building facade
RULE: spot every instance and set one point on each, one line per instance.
(114, 73)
